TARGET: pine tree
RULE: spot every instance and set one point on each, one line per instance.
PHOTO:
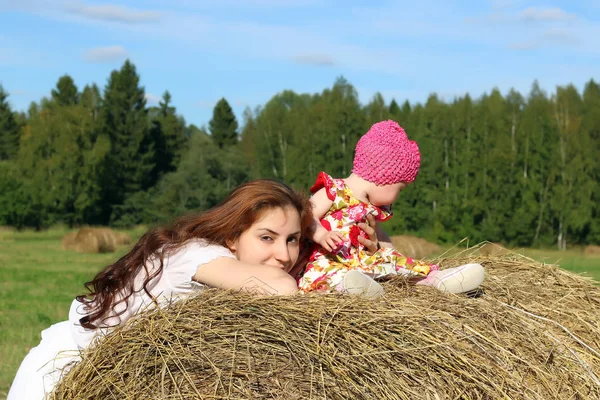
(406, 108)
(173, 128)
(347, 123)
(223, 125)
(464, 167)
(66, 93)
(539, 167)
(570, 196)
(376, 110)
(124, 115)
(394, 109)
(9, 129)
(496, 156)
(248, 142)
(591, 127)
(91, 99)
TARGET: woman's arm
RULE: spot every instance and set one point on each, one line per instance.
(229, 273)
(384, 239)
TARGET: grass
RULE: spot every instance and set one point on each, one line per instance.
(38, 281)
(572, 260)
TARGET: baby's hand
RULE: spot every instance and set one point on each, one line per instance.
(331, 240)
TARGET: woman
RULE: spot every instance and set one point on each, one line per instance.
(250, 242)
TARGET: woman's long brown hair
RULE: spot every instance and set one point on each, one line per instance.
(225, 222)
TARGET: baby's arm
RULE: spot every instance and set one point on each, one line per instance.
(329, 240)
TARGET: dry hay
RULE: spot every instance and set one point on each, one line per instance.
(592, 250)
(68, 241)
(414, 247)
(122, 239)
(492, 249)
(532, 333)
(95, 240)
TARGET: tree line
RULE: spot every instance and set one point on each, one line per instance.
(518, 169)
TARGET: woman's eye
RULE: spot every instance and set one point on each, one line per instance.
(293, 240)
(267, 238)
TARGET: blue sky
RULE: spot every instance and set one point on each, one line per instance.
(249, 50)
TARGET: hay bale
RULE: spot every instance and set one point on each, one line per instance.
(592, 250)
(122, 239)
(94, 240)
(68, 241)
(532, 334)
(414, 247)
(492, 249)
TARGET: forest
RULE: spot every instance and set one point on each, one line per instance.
(520, 169)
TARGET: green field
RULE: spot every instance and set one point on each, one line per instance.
(38, 280)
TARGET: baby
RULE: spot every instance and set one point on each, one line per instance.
(385, 162)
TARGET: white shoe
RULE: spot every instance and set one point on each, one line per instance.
(356, 282)
(461, 279)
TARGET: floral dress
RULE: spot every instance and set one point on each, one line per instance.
(326, 270)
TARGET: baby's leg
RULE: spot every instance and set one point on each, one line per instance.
(461, 279)
(389, 262)
(327, 279)
(356, 282)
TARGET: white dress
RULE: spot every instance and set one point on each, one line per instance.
(61, 343)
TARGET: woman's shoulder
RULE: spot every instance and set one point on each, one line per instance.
(182, 264)
(197, 246)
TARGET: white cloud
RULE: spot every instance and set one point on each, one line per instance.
(524, 46)
(332, 42)
(550, 38)
(545, 14)
(105, 54)
(560, 37)
(111, 13)
(501, 3)
(152, 98)
(249, 4)
(18, 92)
(320, 60)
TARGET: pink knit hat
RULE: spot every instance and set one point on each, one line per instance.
(384, 155)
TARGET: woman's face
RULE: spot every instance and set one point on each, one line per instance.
(274, 239)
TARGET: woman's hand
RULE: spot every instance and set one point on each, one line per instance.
(370, 228)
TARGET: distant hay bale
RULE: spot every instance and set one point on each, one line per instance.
(122, 239)
(68, 241)
(592, 250)
(95, 240)
(532, 333)
(414, 247)
(492, 249)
